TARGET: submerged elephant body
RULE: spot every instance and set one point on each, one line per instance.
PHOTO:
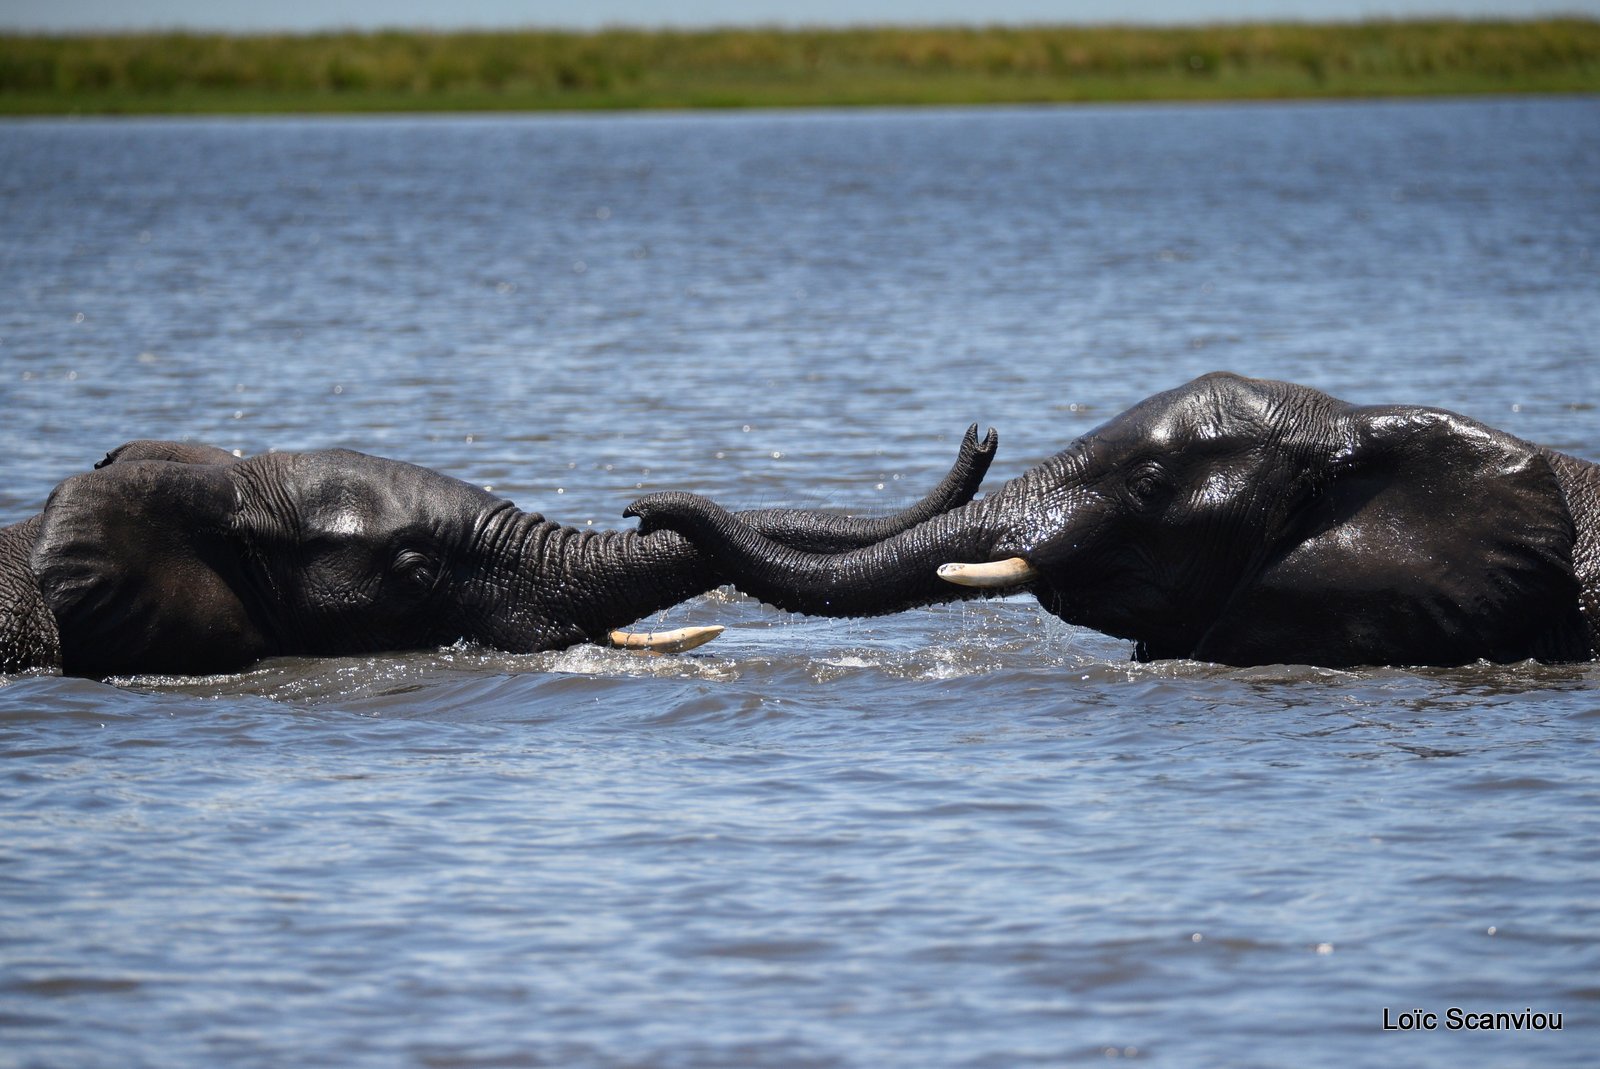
(1242, 522)
(177, 558)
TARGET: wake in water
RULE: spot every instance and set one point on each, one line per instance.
(1009, 646)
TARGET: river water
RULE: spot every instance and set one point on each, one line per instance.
(965, 836)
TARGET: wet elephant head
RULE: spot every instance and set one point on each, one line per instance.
(177, 558)
(1244, 522)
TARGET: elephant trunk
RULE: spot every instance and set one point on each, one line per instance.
(896, 573)
(572, 586)
(816, 532)
(568, 586)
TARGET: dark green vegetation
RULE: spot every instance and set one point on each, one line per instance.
(416, 71)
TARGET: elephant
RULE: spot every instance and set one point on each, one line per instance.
(1241, 522)
(183, 559)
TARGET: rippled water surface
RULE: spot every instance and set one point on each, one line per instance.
(964, 836)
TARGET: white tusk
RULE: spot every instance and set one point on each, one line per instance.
(1010, 572)
(684, 638)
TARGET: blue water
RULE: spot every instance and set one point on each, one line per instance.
(965, 836)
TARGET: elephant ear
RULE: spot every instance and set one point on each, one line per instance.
(140, 566)
(1427, 539)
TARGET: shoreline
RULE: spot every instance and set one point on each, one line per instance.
(403, 72)
(664, 112)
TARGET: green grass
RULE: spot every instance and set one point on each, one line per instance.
(534, 70)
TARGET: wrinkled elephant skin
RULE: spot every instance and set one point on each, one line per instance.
(1244, 522)
(177, 558)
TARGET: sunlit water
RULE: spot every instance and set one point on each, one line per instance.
(964, 836)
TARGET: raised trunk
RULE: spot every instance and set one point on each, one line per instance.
(578, 586)
(816, 532)
(581, 585)
(887, 576)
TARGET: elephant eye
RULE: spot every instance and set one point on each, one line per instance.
(414, 567)
(1147, 485)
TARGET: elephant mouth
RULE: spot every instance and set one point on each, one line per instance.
(995, 575)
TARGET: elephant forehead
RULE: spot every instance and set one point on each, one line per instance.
(1216, 410)
(341, 492)
(350, 522)
(1186, 424)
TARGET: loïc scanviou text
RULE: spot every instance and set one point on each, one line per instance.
(1456, 1019)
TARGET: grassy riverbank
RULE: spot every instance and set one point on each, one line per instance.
(546, 70)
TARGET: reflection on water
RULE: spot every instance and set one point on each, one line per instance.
(964, 836)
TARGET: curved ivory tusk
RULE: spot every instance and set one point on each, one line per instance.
(684, 638)
(1010, 572)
